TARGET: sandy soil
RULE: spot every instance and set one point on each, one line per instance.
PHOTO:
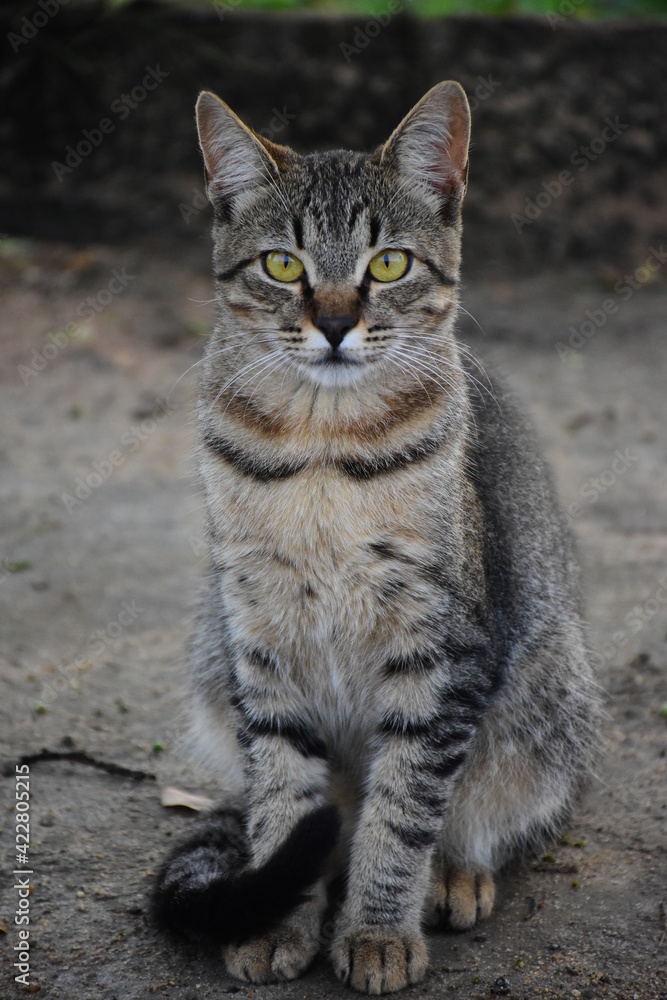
(97, 591)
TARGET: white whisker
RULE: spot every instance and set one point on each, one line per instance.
(412, 371)
(437, 377)
(218, 353)
(258, 367)
(243, 371)
(480, 387)
(463, 309)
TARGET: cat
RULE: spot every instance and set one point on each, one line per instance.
(390, 674)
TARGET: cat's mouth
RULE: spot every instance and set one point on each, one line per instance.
(336, 358)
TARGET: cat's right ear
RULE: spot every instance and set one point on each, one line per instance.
(236, 160)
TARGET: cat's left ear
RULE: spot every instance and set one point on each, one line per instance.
(430, 146)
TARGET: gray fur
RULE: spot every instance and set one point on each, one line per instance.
(392, 621)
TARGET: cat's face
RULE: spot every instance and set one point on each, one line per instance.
(337, 268)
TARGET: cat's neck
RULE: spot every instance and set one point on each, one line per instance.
(312, 423)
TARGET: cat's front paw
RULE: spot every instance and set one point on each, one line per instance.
(379, 959)
(283, 954)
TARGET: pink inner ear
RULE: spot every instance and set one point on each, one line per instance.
(454, 170)
(433, 143)
(444, 173)
(212, 148)
(212, 163)
(206, 134)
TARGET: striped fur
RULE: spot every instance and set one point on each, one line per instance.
(392, 622)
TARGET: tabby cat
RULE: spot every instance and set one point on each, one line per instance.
(390, 673)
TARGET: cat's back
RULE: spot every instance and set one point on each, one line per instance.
(530, 564)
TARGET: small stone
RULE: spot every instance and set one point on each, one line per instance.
(501, 987)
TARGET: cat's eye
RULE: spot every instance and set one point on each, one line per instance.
(389, 265)
(283, 266)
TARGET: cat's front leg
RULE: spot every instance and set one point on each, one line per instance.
(287, 775)
(379, 946)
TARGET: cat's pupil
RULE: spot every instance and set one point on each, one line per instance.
(386, 260)
(286, 261)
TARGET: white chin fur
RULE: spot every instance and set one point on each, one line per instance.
(335, 376)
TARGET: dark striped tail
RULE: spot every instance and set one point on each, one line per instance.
(205, 891)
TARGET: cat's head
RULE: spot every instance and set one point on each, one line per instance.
(338, 268)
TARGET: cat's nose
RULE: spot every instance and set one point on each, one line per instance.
(334, 328)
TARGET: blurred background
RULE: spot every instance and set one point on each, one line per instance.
(544, 78)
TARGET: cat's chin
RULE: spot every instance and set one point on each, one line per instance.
(337, 373)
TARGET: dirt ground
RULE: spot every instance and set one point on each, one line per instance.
(102, 553)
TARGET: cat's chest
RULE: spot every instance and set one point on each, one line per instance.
(320, 567)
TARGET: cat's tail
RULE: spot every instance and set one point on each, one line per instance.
(205, 890)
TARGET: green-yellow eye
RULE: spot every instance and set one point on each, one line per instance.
(283, 266)
(388, 265)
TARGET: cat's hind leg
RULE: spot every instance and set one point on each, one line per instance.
(518, 784)
(457, 898)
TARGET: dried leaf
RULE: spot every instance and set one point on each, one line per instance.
(177, 797)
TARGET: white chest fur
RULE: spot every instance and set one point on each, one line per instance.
(301, 575)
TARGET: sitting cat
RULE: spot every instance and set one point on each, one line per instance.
(391, 635)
